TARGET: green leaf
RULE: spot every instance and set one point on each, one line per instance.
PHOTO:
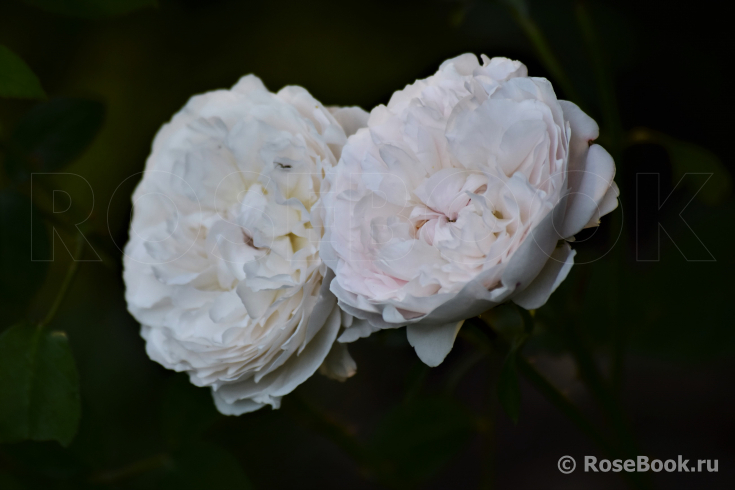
(16, 79)
(509, 391)
(203, 466)
(506, 320)
(186, 411)
(686, 325)
(417, 438)
(519, 6)
(9, 482)
(39, 386)
(47, 459)
(51, 135)
(688, 157)
(24, 250)
(528, 321)
(91, 8)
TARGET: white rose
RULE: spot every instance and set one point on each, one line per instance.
(454, 198)
(222, 269)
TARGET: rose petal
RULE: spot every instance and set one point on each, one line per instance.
(433, 342)
(239, 407)
(590, 186)
(338, 364)
(350, 118)
(546, 282)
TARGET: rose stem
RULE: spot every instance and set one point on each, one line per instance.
(543, 51)
(64, 288)
(331, 428)
(606, 399)
(132, 470)
(491, 341)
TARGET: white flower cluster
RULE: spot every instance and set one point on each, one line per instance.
(268, 230)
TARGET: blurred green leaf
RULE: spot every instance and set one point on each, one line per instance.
(415, 379)
(686, 158)
(509, 391)
(9, 482)
(687, 324)
(52, 135)
(91, 8)
(186, 411)
(528, 320)
(204, 466)
(39, 386)
(16, 79)
(457, 15)
(47, 459)
(691, 158)
(506, 320)
(418, 437)
(519, 6)
(24, 247)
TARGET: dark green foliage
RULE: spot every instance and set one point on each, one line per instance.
(690, 158)
(117, 70)
(16, 79)
(9, 482)
(25, 252)
(509, 391)
(186, 411)
(39, 386)
(91, 8)
(417, 438)
(204, 466)
(52, 135)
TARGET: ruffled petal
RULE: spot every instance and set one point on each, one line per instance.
(591, 185)
(554, 272)
(222, 269)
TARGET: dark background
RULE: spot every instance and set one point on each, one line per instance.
(397, 424)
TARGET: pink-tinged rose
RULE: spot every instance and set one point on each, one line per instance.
(458, 197)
